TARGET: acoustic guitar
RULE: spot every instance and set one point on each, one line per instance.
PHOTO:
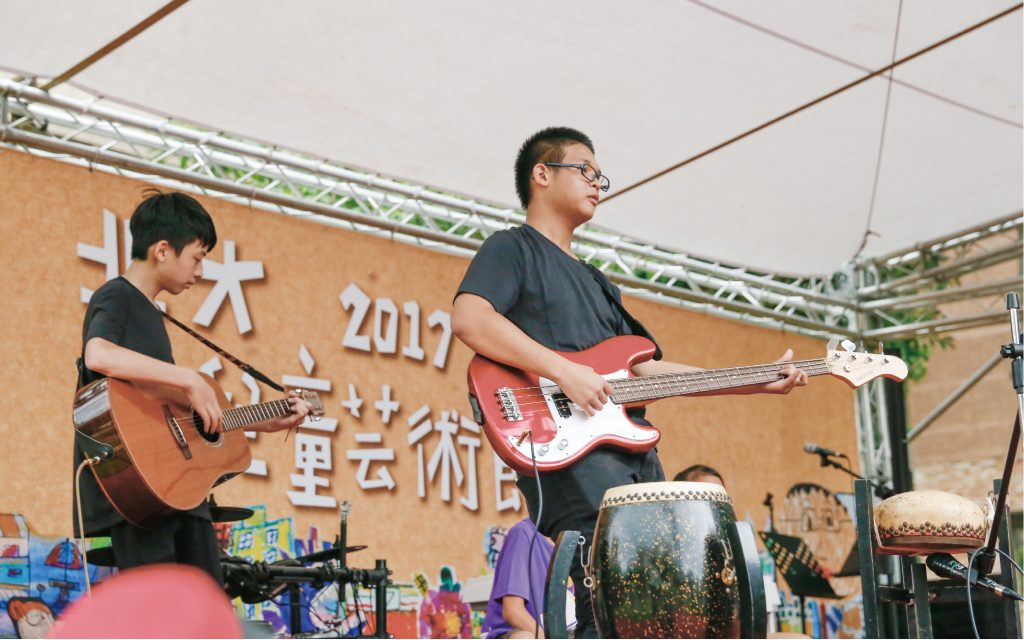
(156, 457)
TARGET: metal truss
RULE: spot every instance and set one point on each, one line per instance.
(893, 297)
(898, 294)
(873, 441)
(155, 149)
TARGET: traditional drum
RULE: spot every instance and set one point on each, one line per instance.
(662, 565)
(923, 522)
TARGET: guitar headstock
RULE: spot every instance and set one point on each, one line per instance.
(857, 368)
(313, 398)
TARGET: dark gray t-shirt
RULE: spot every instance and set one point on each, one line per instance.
(550, 295)
(553, 297)
(119, 313)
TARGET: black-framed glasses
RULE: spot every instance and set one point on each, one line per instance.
(590, 174)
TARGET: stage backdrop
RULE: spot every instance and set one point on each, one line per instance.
(366, 322)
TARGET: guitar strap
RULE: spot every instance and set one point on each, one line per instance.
(248, 368)
(634, 325)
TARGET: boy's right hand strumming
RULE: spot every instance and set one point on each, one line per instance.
(584, 386)
(203, 400)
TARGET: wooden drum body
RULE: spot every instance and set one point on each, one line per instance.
(662, 563)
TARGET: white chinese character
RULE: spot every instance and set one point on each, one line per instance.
(386, 405)
(105, 255)
(354, 401)
(366, 456)
(445, 456)
(330, 425)
(229, 277)
(503, 474)
(312, 454)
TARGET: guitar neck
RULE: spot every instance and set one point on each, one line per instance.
(241, 417)
(668, 385)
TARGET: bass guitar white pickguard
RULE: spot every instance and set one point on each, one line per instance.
(577, 429)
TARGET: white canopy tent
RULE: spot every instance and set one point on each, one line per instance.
(442, 93)
(403, 117)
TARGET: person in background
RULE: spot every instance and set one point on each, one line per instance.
(516, 604)
(699, 473)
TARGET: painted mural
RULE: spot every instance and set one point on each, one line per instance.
(39, 577)
(422, 607)
(824, 522)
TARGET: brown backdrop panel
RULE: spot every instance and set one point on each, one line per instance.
(49, 207)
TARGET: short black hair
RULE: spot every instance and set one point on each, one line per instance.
(695, 470)
(175, 217)
(547, 145)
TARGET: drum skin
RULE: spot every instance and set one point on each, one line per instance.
(924, 522)
(662, 564)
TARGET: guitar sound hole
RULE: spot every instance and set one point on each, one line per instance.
(198, 422)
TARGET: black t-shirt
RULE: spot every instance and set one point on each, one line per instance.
(119, 313)
(551, 296)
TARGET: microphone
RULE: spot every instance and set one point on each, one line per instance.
(947, 566)
(822, 451)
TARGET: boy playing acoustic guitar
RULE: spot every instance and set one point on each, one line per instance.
(124, 337)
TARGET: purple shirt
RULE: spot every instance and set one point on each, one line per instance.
(512, 575)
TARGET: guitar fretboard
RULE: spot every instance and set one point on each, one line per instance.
(668, 385)
(241, 417)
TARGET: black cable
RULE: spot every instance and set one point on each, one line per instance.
(970, 565)
(849, 63)
(360, 620)
(533, 539)
(308, 607)
(813, 102)
(881, 140)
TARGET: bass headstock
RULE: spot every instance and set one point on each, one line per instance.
(857, 368)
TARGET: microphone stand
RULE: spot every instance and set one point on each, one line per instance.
(1014, 350)
(881, 491)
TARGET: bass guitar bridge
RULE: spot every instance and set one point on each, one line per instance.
(509, 405)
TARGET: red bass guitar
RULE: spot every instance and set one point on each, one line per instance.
(511, 404)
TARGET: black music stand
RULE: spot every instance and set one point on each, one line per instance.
(804, 575)
(851, 566)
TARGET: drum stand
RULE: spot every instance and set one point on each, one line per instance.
(1014, 351)
(915, 592)
(257, 582)
(890, 600)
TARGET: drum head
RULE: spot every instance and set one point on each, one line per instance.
(656, 491)
(924, 522)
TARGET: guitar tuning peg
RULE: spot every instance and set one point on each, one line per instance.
(832, 344)
(848, 345)
(881, 347)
